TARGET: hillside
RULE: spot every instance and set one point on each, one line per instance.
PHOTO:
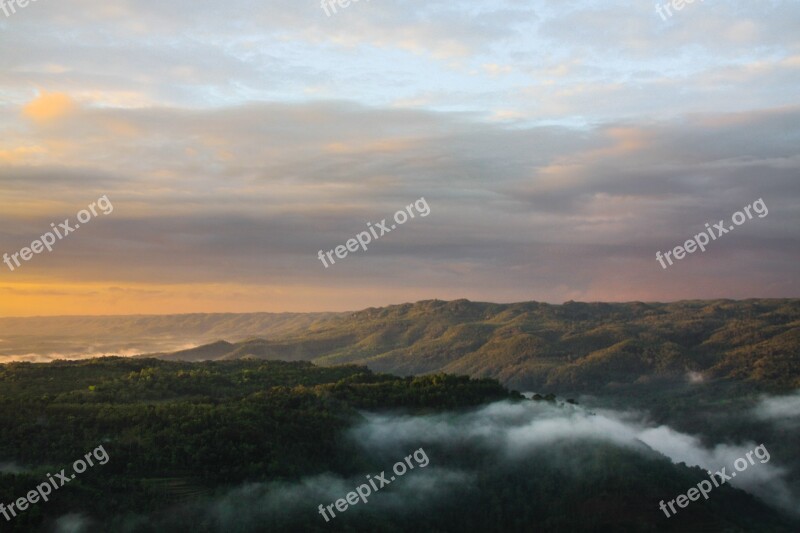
(188, 446)
(531, 346)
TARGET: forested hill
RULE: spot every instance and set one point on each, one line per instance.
(178, 431)
(530, 346)
(252, 446)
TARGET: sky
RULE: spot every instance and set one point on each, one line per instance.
(559, 145)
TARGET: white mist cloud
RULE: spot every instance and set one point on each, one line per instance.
(779, 407)
(506, 433)
(762, 479)
(72, 523)
(10, 468)
(695, 377)
(93, 353)
(514, 429)
(254, 505)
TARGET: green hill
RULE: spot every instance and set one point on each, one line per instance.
(534, 346)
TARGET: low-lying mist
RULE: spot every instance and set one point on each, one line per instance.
(569, 448)
(513, 430)
(47, 348)
(782, 409)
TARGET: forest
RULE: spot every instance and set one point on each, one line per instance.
(184, 438)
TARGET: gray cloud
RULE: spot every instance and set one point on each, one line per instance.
(556, 60)
(559, 146)
(255, 191)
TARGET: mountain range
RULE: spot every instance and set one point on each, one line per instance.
(531, 345)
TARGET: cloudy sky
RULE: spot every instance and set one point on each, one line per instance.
(559, 144)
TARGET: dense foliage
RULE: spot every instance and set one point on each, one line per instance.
(183, 437)
(177, 430)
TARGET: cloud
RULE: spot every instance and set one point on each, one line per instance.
(72, 523)
(48, 107)
(783, 409)
(514, 430)
(765, 480)
(252, 193)
(624, 55)
(695, 377)
(79, 354)
(252, 505)
(557, 162)
(505, 434)
(10, 468)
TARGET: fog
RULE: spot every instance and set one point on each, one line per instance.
(780, 408)
(512, 430)
(10, 468)
(505, 432)
(92, 352)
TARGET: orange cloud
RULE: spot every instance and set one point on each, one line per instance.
(49, 106)
(22, 154)
(32, 297)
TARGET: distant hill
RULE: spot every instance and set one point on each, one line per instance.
(79, 337)
(530, 346)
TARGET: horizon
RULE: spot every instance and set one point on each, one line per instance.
(398, 304)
